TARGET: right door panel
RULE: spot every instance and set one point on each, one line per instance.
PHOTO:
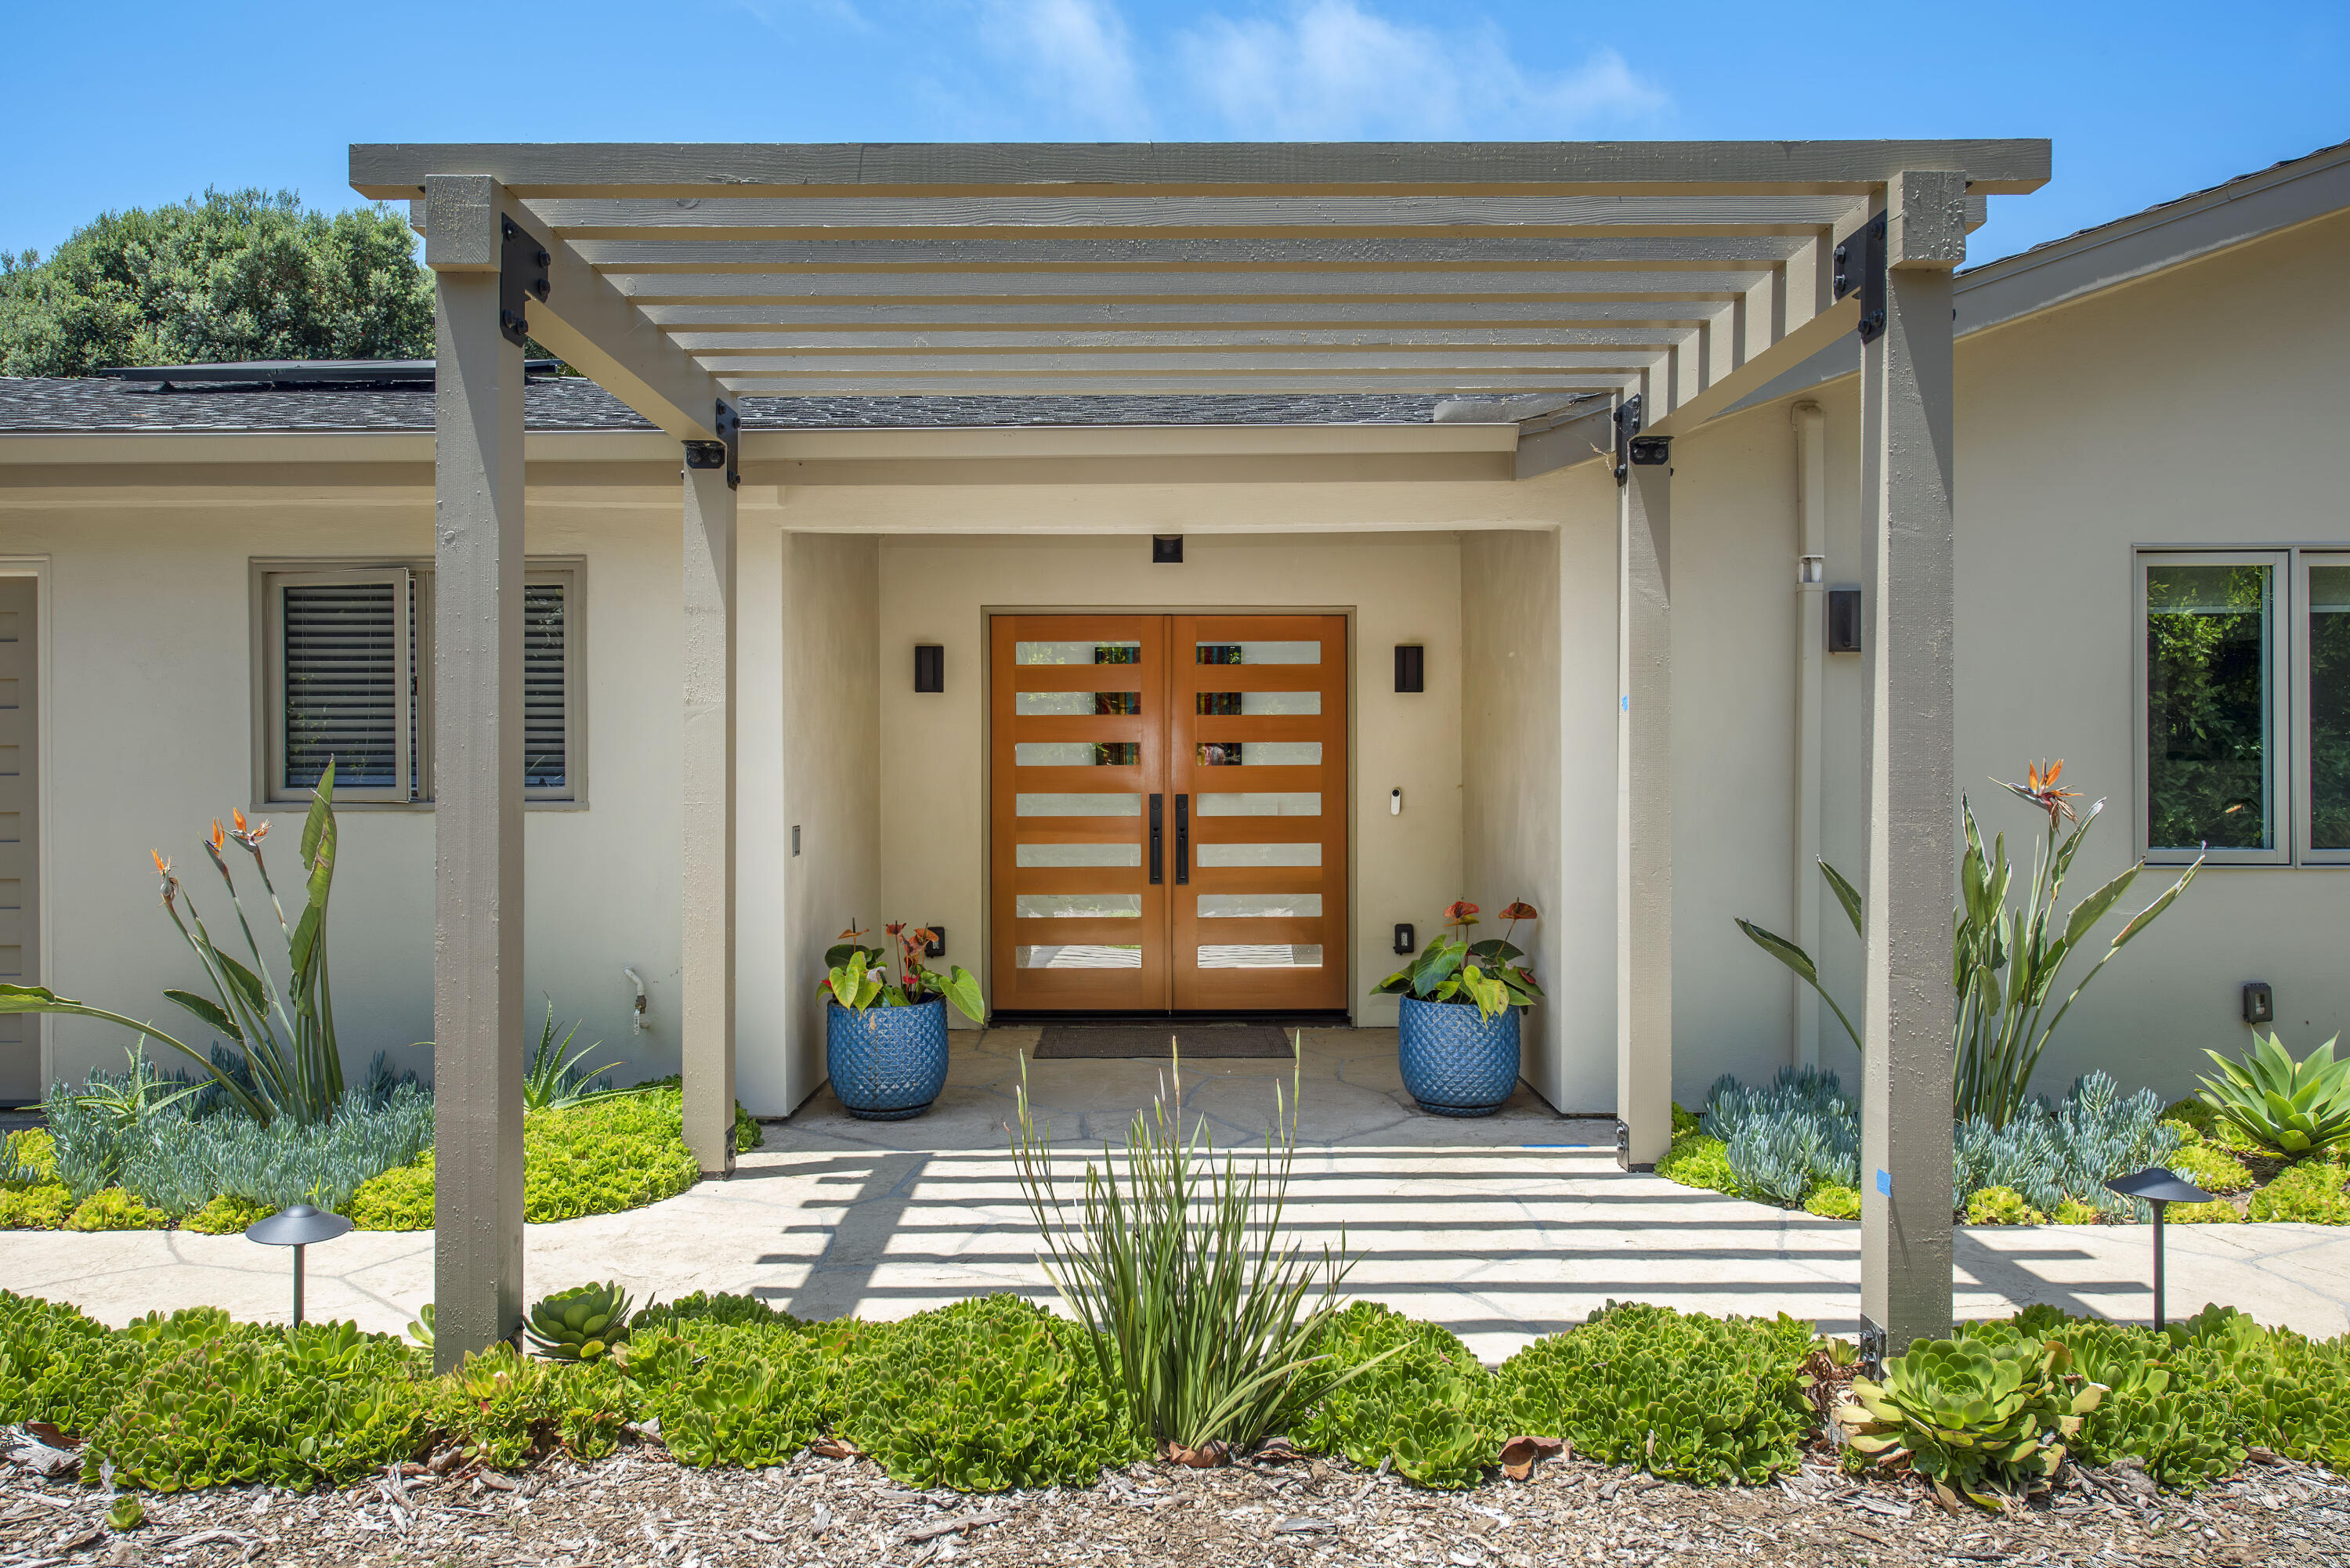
(1256, 774)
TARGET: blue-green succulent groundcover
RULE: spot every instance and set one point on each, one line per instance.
(995, 1392)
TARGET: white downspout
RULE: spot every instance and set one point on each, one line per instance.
(1811, 648)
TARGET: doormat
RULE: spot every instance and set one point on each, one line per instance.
(1062, 1042)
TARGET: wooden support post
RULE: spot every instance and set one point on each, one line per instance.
(477, 788)
(1643, 817)
(708, 906)
(1810, 656)
(1907, 539)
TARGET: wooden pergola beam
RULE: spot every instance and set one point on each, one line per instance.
(1120, 316)
(395, 171)
(1205, 384)
(1091, 288)
(1732, 252)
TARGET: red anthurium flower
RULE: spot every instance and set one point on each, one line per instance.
(1461, 912)
(1521, 910)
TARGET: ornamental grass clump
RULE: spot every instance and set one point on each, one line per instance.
(1204, 1316)
(1682, 1396)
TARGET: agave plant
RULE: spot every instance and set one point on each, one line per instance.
(1975, 1415)
(291, 1064)
(579, 1325)
(2296, 1108)
(554, 1081)
(2004, 963)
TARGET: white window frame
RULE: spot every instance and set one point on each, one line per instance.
(270, 792)
(2303, 714)
(2280, 784)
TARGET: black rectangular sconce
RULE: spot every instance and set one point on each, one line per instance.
(937, 946)
(1405, 941)
(1844, 620)
(929, 667)
(2260, 1003)
(1167, 549)
(1411, 666)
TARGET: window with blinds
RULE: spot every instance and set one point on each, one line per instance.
(349, 662)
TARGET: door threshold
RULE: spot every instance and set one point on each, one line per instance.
(1307, 1019)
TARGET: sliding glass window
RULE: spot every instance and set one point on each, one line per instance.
(2212, 726)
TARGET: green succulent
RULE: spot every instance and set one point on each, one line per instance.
(1833, 1202)
(1976, 1415)
(2002, 1206)
(2293, 1107)
(581, 1323)
(420, 1331)
(2311, 1192)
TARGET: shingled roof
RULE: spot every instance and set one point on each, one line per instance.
(56, 406)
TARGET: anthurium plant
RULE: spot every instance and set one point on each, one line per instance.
(859, 977)
(1490, 972)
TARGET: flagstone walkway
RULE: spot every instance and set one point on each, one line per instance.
(1501, 1228)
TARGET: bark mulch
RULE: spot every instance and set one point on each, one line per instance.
(641, 1507)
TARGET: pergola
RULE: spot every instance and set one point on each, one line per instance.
(1669, 278)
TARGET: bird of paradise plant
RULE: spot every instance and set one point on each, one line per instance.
(285, 1034)
(858, 976)
(2004, 963)
(1486, 972)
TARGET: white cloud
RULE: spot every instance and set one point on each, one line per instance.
(1073, 55)
(1331, 70)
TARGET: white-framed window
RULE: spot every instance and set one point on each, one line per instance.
(2243, 708)
(343, 668)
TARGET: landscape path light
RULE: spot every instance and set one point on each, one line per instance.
(300, 1227)
(2161, 1188)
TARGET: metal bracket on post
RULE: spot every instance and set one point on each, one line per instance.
(1860, 266)
(521, 277)
(1628, 425)
(1624, 1148)
(1651, 452)
(725, 452)
(1871, 1359)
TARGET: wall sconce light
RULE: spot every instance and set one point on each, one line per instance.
(929, 667)
(1844, 620)
(1411, 666)
(1167, 549)
(2260, 1003)
(1406, 939)
(1811, 571)
(937, 945)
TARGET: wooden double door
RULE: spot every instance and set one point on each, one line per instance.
(1168, 813)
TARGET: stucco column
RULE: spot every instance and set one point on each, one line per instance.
(1907, 534)
(1644, 813)
(476, 784)
(708, 939)
(1810, 656)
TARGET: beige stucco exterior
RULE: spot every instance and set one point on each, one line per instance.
(2186, 407)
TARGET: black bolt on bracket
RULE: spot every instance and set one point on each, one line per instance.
(1860, 266)
(725, 452)
(1628, 425)
(521, 277)
(1651, 452)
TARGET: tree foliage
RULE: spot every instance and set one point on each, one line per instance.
(241, 275)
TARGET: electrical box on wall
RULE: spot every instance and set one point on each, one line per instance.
(2260, 1003)
(1844, 620)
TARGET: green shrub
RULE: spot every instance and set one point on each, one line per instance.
(112, 1209)
(1684, 1119)
(700, 1307)
(734, 1392)
(605, 1156)
(1691, 1397)
(2219, 1211)
(985, 1394)
(1986, 1412)
(1697, 1161)
(318, 1404)
(399, 1199)
(43, 1206)
(2310, 1192)
(1428, 1405)
(28, 1159)
(52, 1364)
(1835, 1202)
(506, 1410)
(2214, 1170)
(2192, 1115)
(747, 1134)
(226, 1216)
(2002, 1206)
(2073, 1212)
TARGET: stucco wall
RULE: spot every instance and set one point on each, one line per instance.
(1402, 587)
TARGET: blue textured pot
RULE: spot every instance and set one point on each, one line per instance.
(1456, 1062)
(887, 1062)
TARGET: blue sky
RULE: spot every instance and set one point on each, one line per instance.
(2143, 101)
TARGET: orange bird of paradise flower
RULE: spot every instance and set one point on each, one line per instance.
(2040, 788)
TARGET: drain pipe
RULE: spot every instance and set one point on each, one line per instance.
(1811, 651)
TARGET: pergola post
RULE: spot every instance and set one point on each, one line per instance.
(477, 785)
(708, 906)
(1644, 796)
(1907, 539)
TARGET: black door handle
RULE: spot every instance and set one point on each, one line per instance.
(1182, 838)
(1157, 837)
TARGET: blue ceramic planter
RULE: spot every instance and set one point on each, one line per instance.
(1455, 1061)
(887, 1062)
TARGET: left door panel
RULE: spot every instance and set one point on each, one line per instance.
(1077, 800)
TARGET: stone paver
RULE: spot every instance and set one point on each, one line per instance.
(1501, 1228)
